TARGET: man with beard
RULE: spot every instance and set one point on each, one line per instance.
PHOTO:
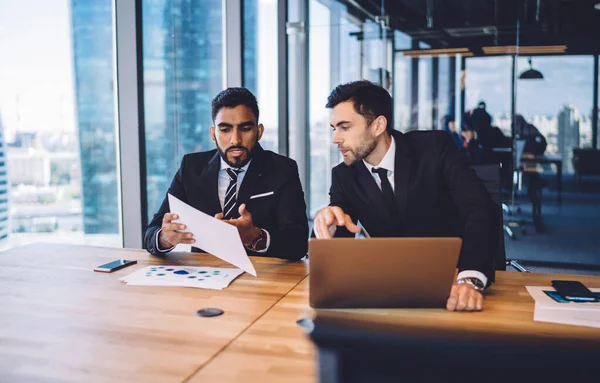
(256, 190)
(407, 185)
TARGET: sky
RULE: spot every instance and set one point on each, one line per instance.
(567, 80)
(36, 69)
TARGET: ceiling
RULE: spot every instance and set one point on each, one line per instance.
(480, 23)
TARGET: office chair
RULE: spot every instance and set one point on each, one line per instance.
(489, 174)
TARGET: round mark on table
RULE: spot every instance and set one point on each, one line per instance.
(180, 272)
(192, 276)
(161, 267)
(161, 274)
(201, 272)
(170, 269)
(209, 312)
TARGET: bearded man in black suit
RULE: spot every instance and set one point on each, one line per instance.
(256, 190)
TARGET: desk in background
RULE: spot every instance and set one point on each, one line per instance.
(61, 321)
(547, 159)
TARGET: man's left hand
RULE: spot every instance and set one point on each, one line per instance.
(248, 232)
(464, 297)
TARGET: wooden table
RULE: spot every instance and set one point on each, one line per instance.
(501, 342)
(274, 349)
(61, 321)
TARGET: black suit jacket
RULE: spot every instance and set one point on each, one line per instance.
(437, 195)
(282, 214)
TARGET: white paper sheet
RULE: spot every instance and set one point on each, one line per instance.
(212, 235)
(183, 276)
(548, 310)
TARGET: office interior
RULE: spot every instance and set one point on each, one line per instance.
(100, 99)
(92, 139)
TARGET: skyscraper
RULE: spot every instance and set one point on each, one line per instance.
(182, 73)
(568, 135)
(92, 29)
(3, 186)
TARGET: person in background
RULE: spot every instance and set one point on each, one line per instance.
(450, 126)
(472, 147)
(407, 185)
(256, 190)
(535, 142)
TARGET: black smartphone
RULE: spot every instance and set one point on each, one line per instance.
(114, 265)
(574, 291)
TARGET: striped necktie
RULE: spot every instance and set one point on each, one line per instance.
(229, 210)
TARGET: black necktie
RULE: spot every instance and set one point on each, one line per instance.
(229, 210)
(386, 189)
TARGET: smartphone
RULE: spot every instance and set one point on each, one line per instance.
(574, 291)
(114, 265)
(556, 296)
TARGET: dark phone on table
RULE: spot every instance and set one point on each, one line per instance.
(574, 291)
(114, 265)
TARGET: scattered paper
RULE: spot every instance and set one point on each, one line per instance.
(574, 313)
(212, 235)
(183, 276)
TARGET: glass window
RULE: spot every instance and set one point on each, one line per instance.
(564, 114)
(58, 160)
(425, 94)
(183, 66)
(488, 79)
(334, 59)
(445, 106)
(260, 64)
(402, 82)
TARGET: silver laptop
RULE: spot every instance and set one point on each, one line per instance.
(382, 272)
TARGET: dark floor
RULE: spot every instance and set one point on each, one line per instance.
(570, 240)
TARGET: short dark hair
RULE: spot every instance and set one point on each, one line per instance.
(370, 100)
(232, 97)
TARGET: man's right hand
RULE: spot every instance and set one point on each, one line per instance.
(329, 216)
(169, 236)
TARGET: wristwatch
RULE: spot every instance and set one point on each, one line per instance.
(259, 243)
(473, 282)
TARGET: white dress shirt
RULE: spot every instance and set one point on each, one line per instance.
(387, 162)
(222, 184)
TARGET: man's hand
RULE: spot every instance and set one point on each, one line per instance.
(329, 216)
(248, 232)
(169, 236)
(464, 297)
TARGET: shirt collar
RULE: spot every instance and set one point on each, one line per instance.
(388, 161)
(225, 165)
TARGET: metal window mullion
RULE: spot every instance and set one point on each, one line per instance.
(130, 129)
(232, 43)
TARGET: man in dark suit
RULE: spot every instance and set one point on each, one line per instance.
(407, 185)
(256, 190)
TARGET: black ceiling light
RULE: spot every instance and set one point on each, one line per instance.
(531, 74)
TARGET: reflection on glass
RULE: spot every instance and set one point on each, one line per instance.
(560, 105)
(260, 64)
(182, 73)
(57, 119)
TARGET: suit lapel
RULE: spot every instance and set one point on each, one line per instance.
(402, 166)
(208, 185)
(252, 176)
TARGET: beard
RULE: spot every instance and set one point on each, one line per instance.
(236, 162)
(361, 152)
